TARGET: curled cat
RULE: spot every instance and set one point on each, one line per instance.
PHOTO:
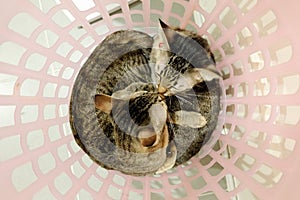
(140, 107)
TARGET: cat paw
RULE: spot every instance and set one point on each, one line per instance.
(189, 119)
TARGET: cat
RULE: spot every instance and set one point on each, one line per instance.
(142, 105)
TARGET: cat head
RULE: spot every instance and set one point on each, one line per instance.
(190, 46)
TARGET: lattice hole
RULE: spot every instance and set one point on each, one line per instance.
(63, 183)
(288, 115)
(281, 147)
(198, 183)
(88, 4)
(288, 85)
(246, 5)
(238, 132)
(225, 73)
(245, 194)
(238, 68)
(157, 5)
(24, 24)
(262, 113)
(206, 160)
(103, 173)
(46, 163)
(215, 32)
(229, 183)
(267, 176)
(245, 162)
(45, 5)
(256, 139)
(94, 183)
(256, 61)
(11, 53)
(10, 147)
(262, 87)
(114, 192)
(228, 48)
(63, 18)
(157, 196)
(179, 193)
(30, 87)
(245, 38)
(178, 9)
(228, 17)
(208, 195)
(138, 185)
(216, 169)
(35, 139)
(242, 90)
(266, 24)
(229, 152)
(208, 7)
(242, 110)
(47, 39)
(280, 52)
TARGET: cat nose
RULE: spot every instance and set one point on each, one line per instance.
(162, 89)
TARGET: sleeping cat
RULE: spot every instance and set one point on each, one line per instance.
(142, 104)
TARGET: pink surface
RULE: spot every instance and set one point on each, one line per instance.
(256, 44)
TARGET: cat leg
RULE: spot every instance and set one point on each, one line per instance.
(192, 77)
(188, 119)
(171, 158)
(197, 75)
(104, 102)
(207, 74)
(158, 118)
(131, 91)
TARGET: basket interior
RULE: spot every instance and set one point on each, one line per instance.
(45, 42)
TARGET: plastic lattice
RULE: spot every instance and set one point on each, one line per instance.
(45, 42)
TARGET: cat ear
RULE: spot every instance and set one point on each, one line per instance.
(169, 33)
(188, 119)
(103, 102)
(163, 24)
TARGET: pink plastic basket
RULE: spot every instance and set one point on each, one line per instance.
(45, 42)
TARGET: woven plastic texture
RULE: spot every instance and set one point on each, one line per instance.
(45, 42)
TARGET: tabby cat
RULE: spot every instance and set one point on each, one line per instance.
(141, 104)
